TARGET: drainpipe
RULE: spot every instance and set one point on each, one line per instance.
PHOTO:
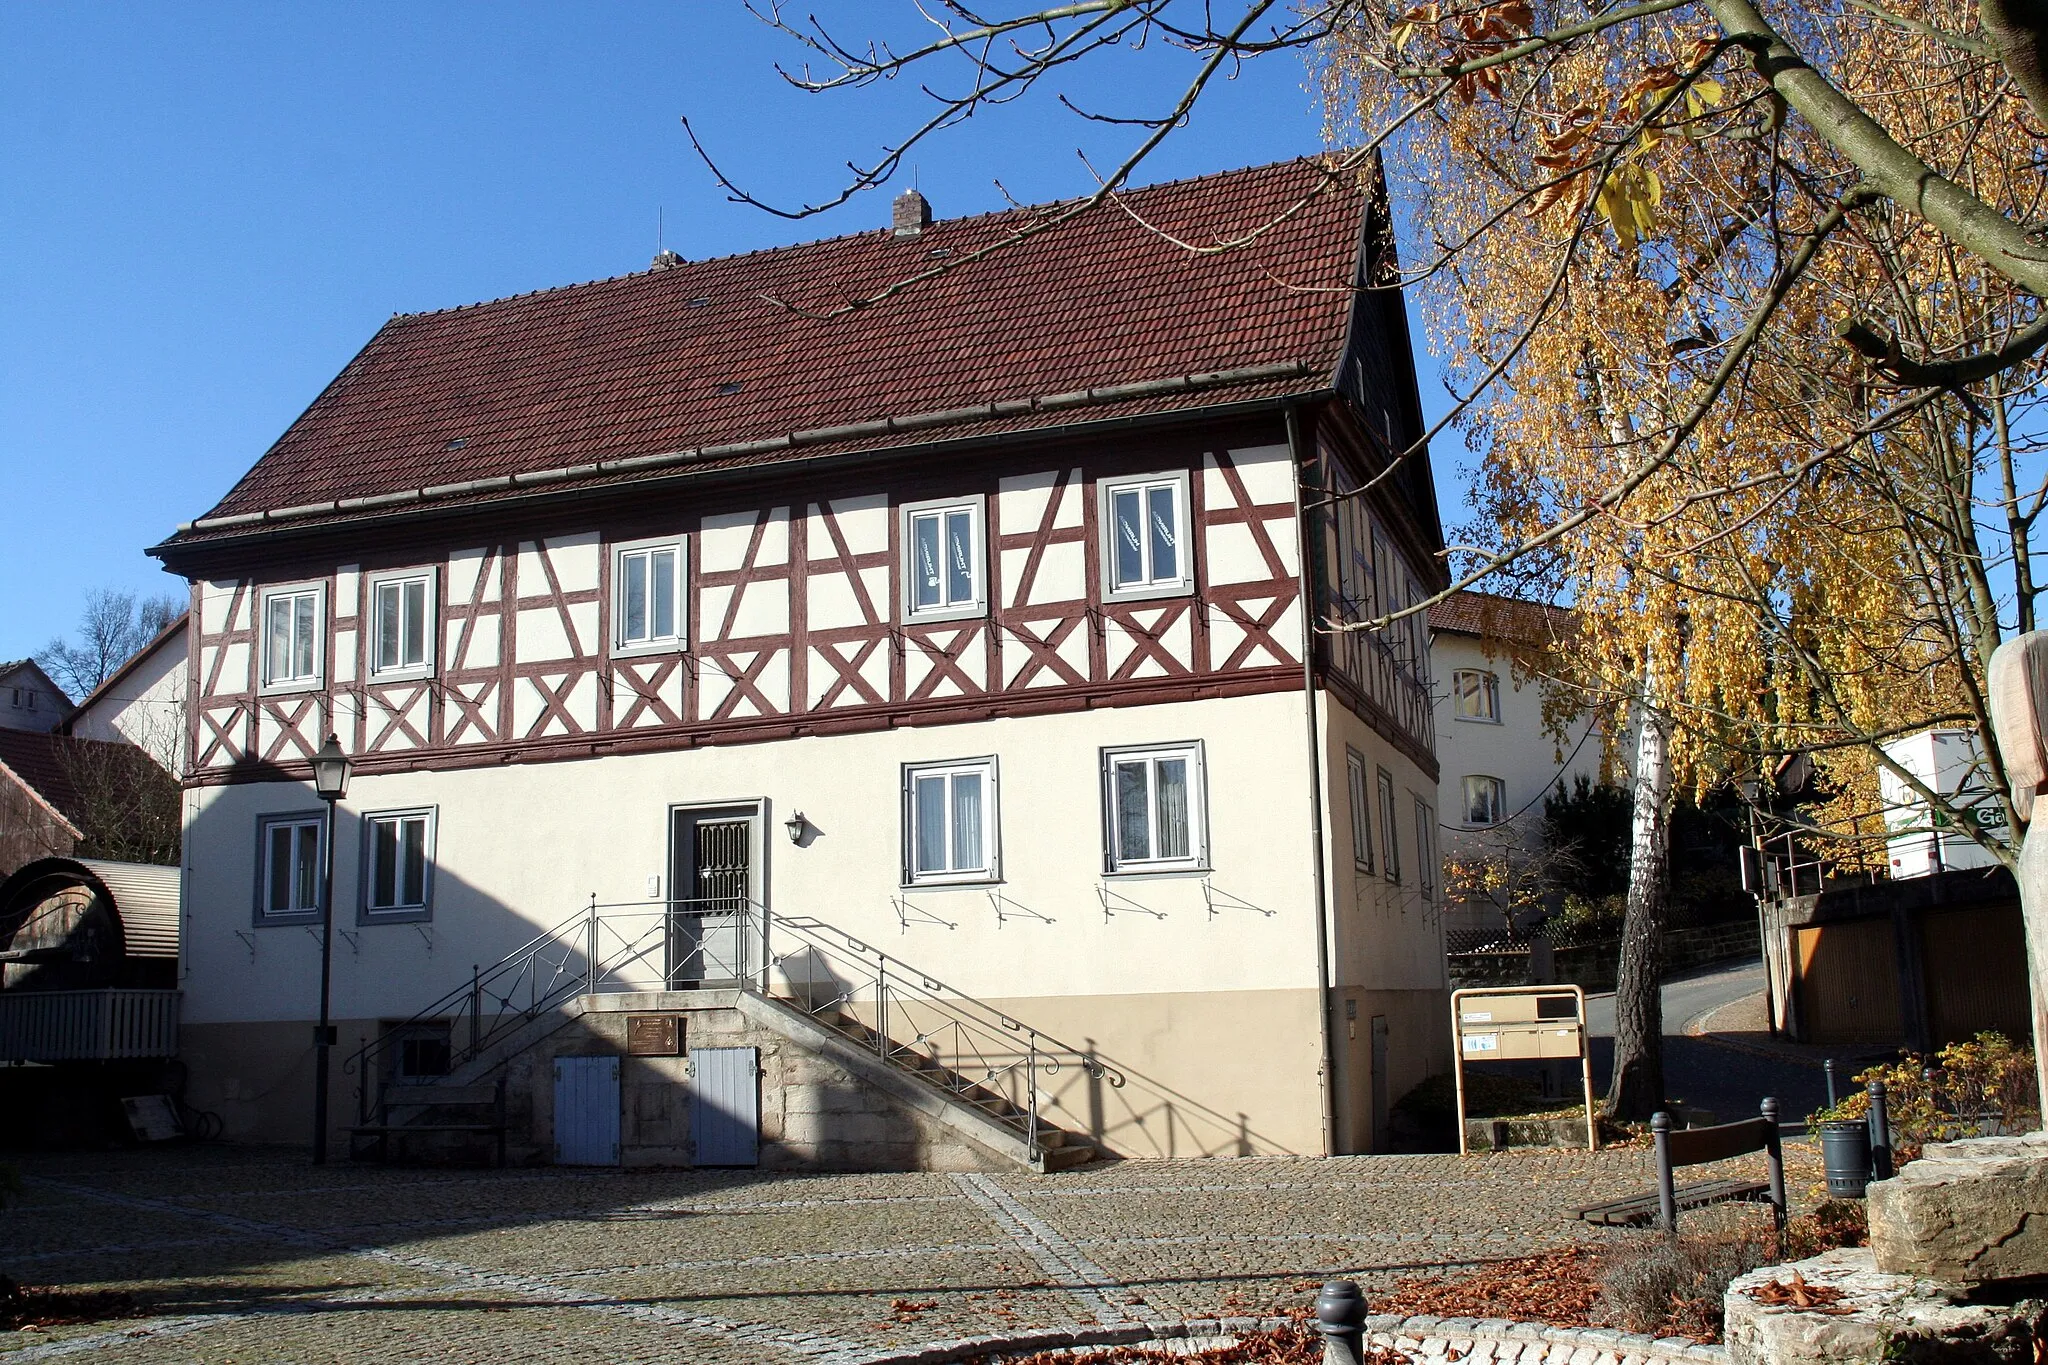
(1315, 779)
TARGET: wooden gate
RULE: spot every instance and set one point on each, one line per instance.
(586, 1111)
(1849, 982)
(725, 1105)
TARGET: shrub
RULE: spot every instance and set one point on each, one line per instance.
(1661, 1286)
(1985, 1084)
(1828, 1224)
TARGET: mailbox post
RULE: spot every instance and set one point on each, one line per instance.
(1521, 1024)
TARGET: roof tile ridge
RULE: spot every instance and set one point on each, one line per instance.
(943, 224)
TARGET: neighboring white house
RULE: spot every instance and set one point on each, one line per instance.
(989, 597)
(1951, 762)
(1498, 758)
(28, 699)
(142, 702)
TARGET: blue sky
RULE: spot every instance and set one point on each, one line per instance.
(208, 209)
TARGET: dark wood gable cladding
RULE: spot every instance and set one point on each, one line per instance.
(796, 623)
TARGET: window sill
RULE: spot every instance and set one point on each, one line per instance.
(675, 645)
(1150, 594)
(976, 882)
(286, 689)
(399, 675)
(286, 919)
(417, 915)
(1144, 870)
(929, 616)
(1477, 720)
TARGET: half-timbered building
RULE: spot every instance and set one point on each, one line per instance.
(668, 616)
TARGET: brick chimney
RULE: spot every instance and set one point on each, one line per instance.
(665, 260)
(910, 214)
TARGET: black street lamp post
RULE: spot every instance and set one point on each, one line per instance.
(330, 780)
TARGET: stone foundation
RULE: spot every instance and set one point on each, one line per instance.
(1971, 1212)
(1880, 1317)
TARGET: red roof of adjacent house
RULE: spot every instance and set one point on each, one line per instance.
(707, 354)
(44, 762)
(1507, 619)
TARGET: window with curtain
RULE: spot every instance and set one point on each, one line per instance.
(291, 638)
(1361, 817)
(288, 854)
(401, 624)
(949, 821)
(1145, 533)
(648, 608)
(1153, 800)
(398, 862)
(943, 557)
(1475, 695)
(1486, 800)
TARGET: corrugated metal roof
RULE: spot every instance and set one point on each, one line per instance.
(148, 898)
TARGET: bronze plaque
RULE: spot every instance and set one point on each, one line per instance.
(654, 1035)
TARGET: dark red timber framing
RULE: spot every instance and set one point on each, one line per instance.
(511, 447)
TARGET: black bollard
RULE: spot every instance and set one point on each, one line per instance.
(1829, 1067)
(1880, 1134)
(1340, 1317)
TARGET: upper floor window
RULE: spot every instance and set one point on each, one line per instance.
(1475, 695)
(1390, 846)
(291, 628)
(1153, 798)
(1145, 536)
(288, 871)
(943, 549)
(1425, 849)
(398, 862)
(402, 623)
(648, 609)
(949, 821)
(1361, 819)
(1486, 800)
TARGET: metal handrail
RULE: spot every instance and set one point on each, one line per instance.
(919, 1024)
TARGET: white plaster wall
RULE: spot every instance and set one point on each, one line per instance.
(1518, 750)
(146, 708)
(521, 847)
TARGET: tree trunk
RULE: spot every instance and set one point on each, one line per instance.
(1637, 1090)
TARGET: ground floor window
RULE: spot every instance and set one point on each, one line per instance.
(288, 854)
(1153, 799)
(398, 857)
(949, 821)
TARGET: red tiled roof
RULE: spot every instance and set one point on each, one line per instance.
(43, 762)
(646, 364)
(1507, 619)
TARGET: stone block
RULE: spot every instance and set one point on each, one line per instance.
(1888, 1318)
(1974, 1212)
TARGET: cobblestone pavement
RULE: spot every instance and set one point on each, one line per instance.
(244, 1256)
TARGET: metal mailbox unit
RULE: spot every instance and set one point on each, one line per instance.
(1521, 1024)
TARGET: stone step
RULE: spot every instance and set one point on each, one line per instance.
(1066, 1158)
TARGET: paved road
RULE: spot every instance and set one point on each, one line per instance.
(253, 1256)
(1728, 1081)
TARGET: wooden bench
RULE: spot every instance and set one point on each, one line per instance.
(1694, 1147)
(405, 1109)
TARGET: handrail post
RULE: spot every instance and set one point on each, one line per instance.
(882, 1005)
(1031, 1084)
(476, 1009)
(590, 951)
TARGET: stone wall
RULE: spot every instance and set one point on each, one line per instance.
(821, 1108)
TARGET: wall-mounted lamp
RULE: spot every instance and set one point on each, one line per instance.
(796, 825)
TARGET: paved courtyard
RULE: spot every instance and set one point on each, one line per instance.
(244, 1256)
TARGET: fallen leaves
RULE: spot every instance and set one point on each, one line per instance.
(1797, 1293)
(1558, 1287)
(24, 1308)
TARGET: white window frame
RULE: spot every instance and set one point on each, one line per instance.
(317, 679)
(1197, 858)
(317, 820)
(1181, 585)
(679, 638)
(1488, 693)
(976, 506)
(430, 628)
(1499, 792)
(1361, 809)
(1390, 836)
(989, 868)
(1426, 868)
(366, 913)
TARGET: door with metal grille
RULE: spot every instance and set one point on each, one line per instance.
(712, 883)
(725, 1105)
